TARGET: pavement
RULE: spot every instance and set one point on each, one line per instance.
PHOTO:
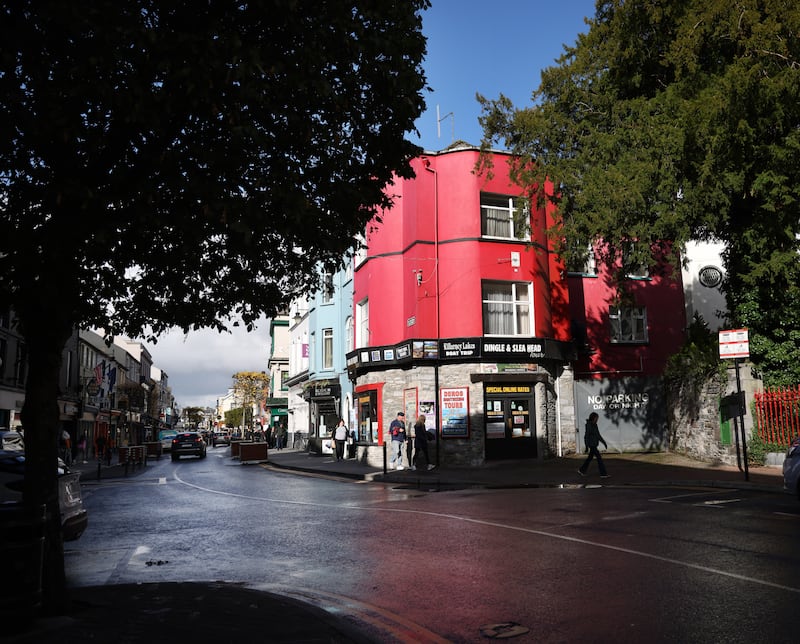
(229, 612)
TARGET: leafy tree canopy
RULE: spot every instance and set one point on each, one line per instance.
(250, 387)
(194, 415)
(163, 164)
(176, 163)
(674, 121)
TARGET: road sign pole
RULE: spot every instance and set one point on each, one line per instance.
(741, 420)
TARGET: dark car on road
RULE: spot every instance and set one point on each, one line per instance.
(188, 444)
(791, 468)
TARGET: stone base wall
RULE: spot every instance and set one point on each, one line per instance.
(694, 417)
(554, 410)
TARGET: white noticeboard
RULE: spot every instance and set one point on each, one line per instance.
(734, 344)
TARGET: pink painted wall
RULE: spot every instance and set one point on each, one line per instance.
(406, 241)
(661, 295)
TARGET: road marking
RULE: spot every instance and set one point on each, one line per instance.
(717, 503)
(669, 499)
(162, 480)
(505, 526)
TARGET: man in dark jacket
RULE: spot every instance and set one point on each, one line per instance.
(592, 439)
(397, 434)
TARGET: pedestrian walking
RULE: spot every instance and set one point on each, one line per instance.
(82, 448)
(66, 447)
(421, 443)
(100, 446)
(281, 439)
(592, 439)
(270, 435)
(340, 438)
(397, 432)
(410, 446)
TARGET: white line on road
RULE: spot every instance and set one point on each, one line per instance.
(505, 526)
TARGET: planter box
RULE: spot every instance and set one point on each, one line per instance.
(235, 448)
(253, 452)
(774, 459)
(154, 449)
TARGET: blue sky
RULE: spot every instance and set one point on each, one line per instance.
(489, 48)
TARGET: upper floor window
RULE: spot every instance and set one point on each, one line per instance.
(21, 365)
(284, 378)
(507, 308)
(327, 287)
(3, 357)
(348, 334)
(362, 323)
(327, 348)
(634, 268)
(628, 324)
(585, 263)
(360, 253)
(500, 218)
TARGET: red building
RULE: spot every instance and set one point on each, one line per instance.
(466, 317)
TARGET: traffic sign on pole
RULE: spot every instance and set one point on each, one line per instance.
(734, 344)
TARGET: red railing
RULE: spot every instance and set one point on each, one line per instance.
(778, 414)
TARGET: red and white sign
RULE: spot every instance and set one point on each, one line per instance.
(734, 344)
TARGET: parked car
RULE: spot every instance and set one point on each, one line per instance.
(791, 468)
(221, 438)
(166, 437)
(11, 440)
(188, 444)
(74, 517)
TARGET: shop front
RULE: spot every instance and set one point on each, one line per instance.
(509, 421)
(484, 399)
(324, 399)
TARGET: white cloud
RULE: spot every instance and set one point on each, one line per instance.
(200, 365)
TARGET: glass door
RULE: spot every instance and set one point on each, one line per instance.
(509, 429)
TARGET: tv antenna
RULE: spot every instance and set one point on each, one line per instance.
(439, 124)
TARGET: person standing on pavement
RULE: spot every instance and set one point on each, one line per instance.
(340, 438)
(66, 447)
(397, 432)
(281, 437)
(82, 448)
(410, 446)
(421, 442)
(592, 439)
(100, 447)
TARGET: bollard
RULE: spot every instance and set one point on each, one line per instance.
(385, 462)
(99, 464)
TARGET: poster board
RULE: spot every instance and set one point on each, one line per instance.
(454, 414)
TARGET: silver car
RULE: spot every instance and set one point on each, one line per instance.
(791, 468)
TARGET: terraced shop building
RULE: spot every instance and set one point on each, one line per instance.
(466, 317)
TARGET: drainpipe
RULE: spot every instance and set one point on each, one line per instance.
(426, 162)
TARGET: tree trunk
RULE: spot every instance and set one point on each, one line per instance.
(45, 339)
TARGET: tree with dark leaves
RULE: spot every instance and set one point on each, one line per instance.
(183, 163)
(674, 121)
